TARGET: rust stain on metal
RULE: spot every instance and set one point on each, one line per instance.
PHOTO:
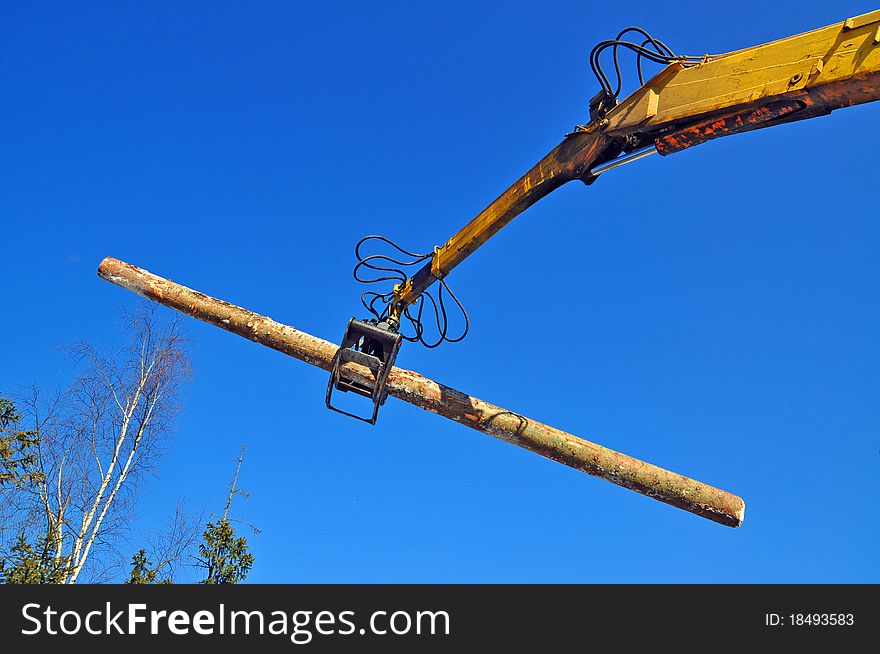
(728, 124)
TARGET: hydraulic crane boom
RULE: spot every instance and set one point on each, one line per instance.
(689, 102)
(795, 78)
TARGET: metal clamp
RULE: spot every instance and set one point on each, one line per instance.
(373, 346)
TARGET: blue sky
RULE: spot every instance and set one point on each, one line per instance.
(714, 312)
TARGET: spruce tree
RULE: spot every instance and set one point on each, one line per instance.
(27, 564)
(18, 450)
(143, 572)
(224, 556)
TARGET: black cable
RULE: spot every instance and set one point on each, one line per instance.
(413, 314)
(646, 53)
(650, 49)
(467, 322)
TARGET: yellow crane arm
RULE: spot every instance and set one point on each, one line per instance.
(568, 161)
(686, 104)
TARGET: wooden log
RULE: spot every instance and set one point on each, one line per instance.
(669, 487)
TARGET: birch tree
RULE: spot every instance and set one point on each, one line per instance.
(95, 441)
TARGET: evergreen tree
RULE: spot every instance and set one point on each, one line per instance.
(224, 556)
(27, 564)
(18, 450)
(23, 563)
(143, 572)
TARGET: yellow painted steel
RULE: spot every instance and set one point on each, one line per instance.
(830, 67)
(807, 61)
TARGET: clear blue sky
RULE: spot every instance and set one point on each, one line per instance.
(714, 312)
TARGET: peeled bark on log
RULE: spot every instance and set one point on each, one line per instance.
(669, 487)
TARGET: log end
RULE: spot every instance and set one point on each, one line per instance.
(114, 271)
(740, 514)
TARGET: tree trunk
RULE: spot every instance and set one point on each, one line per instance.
(669, 487)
